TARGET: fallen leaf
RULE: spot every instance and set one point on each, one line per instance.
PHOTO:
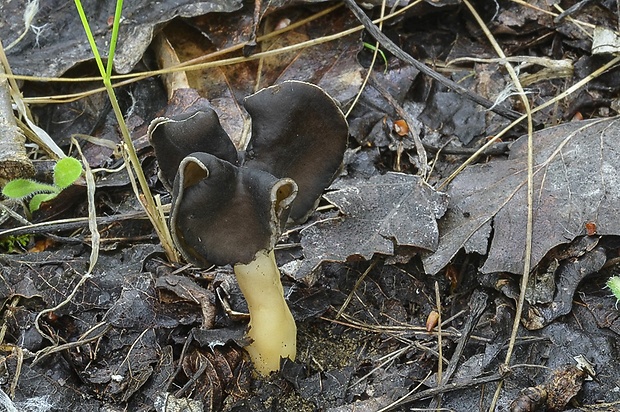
(576, 180)
(57, 41)
(379, 214)
(333, 65)
(214, 373)
(568, 275)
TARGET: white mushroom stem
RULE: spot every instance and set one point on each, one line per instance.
(272, 328)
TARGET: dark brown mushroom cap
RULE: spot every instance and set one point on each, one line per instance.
(223, 214)
(176, 137)
(298, 131)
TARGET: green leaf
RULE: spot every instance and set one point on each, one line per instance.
(21, 188)
(66, 172)
(35, 202)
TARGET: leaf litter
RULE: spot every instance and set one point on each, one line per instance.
(379, 214)
(576, 181)
(143, 334)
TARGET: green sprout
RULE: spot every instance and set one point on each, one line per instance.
(374, 48)
(150, 205)
(613, 284)
(66, 171)
(12, 244)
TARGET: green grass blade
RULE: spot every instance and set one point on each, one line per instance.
(113, 40)
(374, 48)
(90, 37)
(147, 199)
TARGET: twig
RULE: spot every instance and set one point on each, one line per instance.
(192, 64)
(477, 304)
(68, 224)
(355, 287)
(496, 149)
(394, 330)
(444, 389)
(18, 369)
(398, 52)
(436, 402)
(571, 10)
(83, 340)
(5, 317)
(375, 53)
(387, 359)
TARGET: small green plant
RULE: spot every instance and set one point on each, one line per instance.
(613, 283)
(153, 211)
(12, 244)
(374, 48)
(66, 171)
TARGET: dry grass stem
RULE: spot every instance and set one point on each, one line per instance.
(94, 251)
(530, 194)
(355, 287)
(186, 66)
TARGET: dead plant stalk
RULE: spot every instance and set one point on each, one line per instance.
(199, 63)
(530, 193)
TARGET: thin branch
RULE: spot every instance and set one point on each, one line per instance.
(398, 52)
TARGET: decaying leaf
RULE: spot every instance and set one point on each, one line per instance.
(213, 374)
(379, 214)
(570, 273)
(189, 291)
(554, 394)
(576, 171)
(605, 41)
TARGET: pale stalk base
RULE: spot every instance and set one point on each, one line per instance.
(272, 327)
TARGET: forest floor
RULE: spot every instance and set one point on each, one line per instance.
(481, 148)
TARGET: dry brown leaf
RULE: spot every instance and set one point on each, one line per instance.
(576, 171)
(380, 213)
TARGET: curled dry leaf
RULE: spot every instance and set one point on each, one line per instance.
(213, 374)
(552, 395)
(61, 43)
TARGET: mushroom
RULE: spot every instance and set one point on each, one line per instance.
(226, 211)
(298, 131)
(176, 137)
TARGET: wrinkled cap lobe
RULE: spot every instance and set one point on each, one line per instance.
(299, 132)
